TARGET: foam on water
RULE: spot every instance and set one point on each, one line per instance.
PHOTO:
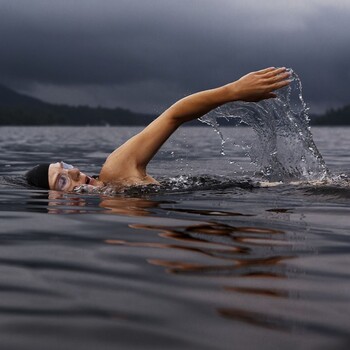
(284, 149)
(180, 183)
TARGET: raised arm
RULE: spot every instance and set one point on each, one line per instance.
(133, 156)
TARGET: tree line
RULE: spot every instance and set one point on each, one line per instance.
(20, 109)
(67, 115)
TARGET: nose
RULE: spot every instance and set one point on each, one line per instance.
(74, 174)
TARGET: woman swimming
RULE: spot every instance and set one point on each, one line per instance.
(126, 166)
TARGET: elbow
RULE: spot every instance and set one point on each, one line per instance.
(174, 116)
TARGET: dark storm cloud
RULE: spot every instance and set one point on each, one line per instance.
(144, 54)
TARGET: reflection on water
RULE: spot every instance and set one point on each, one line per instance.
(232, 245)
(235, 243)
(211, 262)
(226, 250)
(260, 291)
(236, 249)
(54, 202)
(130, 206)
(234, 252)
(209, 212)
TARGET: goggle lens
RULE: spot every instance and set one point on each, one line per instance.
(62, 183)
(67, 166)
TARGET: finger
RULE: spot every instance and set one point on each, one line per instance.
(275, 72)
(266, 70)
(281, 84)
(271, 95)
(278, 77)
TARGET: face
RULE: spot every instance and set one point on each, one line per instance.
(65, 177)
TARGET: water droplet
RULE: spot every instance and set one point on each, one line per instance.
(283, 147)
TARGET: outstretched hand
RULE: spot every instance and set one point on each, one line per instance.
(257, 86)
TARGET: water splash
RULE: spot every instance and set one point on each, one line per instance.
(180, 183)
(284, 149)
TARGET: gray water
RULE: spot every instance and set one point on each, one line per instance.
(213, 259)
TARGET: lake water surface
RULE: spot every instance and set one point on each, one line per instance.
(213, 259)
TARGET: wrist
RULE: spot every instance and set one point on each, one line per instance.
(230, 92)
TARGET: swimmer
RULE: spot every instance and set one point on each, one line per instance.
(126, 166)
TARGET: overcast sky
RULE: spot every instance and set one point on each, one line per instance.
(145, 54)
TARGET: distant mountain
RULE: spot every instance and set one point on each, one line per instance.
(20, 109)
(11, 98)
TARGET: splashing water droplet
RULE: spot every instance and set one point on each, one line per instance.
(284, 148)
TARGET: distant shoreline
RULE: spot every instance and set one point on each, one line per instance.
(21, 110)
(87, 116)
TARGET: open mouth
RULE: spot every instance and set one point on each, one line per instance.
(87, 180)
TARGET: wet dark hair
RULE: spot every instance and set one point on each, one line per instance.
(39, 176)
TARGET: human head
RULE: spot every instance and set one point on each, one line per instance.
(39, 176)
(58, 176)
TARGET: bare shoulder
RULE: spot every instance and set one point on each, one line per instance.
(131, 158)
(123, 170)
(117, 167)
